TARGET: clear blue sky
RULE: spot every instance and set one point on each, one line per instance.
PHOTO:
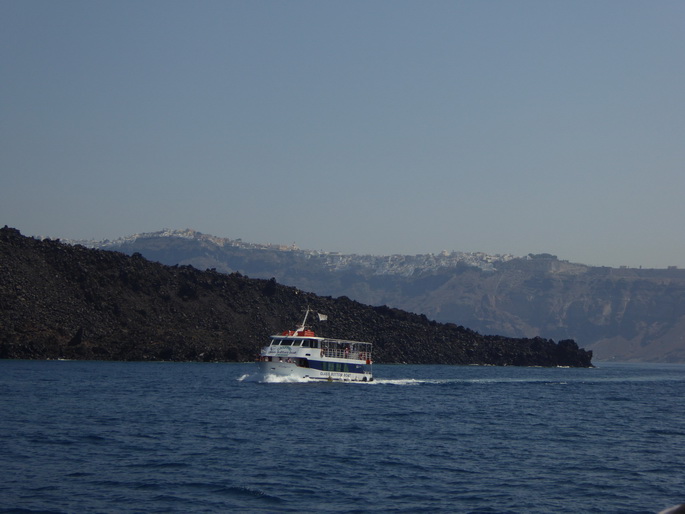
(355, 126)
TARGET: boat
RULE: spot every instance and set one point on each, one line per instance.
(301, 354)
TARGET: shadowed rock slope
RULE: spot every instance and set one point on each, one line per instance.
(62, 301)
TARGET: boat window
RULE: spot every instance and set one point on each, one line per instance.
(297, 343)
(305, 343)
(315, 344)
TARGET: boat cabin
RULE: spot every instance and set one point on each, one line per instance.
(303, 343)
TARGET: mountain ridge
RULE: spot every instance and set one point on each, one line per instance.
(337, 261)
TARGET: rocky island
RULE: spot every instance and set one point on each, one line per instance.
(72, 302)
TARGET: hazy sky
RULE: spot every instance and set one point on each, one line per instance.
(355, 126)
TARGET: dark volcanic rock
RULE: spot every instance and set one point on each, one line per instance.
(61, 301)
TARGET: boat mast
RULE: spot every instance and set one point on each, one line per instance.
(304, 320)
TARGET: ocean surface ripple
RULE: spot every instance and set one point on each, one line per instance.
(189, 437)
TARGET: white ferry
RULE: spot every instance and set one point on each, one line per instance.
(300, 353)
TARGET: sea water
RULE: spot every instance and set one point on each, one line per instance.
(189, 437)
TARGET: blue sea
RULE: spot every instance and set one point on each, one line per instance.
(189, 437)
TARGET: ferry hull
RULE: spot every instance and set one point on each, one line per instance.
(288, 369)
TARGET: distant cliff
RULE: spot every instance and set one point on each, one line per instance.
(63, 301)
(622, 314)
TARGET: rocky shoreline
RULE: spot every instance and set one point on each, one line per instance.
(62, 301)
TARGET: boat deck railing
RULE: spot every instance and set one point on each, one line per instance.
(345, 354)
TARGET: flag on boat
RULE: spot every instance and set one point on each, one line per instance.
(322, 317)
